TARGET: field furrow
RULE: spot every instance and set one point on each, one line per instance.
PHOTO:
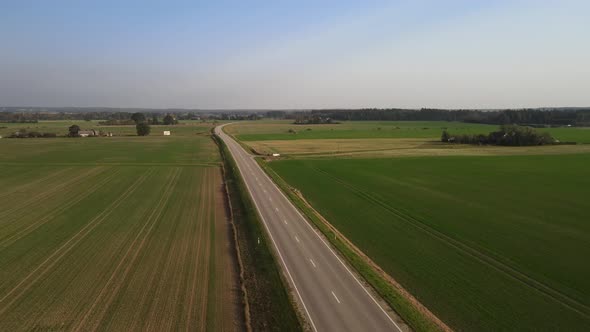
(32, 184)
(195, 285)
(207, 254)
(116, 279)
(25, 228)
(42, 269)
(479, 254)
(38, 197)
(110, 234)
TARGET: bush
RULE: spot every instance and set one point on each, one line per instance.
(143, 129)
(169, 120)
(73, 131)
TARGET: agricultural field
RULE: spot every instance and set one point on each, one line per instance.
(489, 238)
(431, 130)
(486, 243)
(115, 233)
(367, 139)
(60, 127)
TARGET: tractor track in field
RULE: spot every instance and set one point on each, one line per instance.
(45, 194)
(475, 253)
(148, 298)
(201, 216)
(56, 212)
(133, 252)
(177, 256)
(170, 264)
(207, 254)
(189, 214)
(44, 267)
(35, 182)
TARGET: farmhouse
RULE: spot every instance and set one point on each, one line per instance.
(86, 133)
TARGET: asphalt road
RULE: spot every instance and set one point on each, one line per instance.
(332, 298)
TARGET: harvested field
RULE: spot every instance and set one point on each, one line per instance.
(396, 147)
(138, 243)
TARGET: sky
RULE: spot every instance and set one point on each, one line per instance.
(295, 54)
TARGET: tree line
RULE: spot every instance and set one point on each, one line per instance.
(529, 117)
(24, 133)
(508, 135)
(142, 123)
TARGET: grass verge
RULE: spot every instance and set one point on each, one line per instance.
(270, 306)
(416, 315)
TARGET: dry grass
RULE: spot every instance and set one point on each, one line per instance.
(397, 147)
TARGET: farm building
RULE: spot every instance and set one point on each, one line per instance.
(86, 133)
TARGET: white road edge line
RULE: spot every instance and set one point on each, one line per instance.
(278, 251)
(336, 297)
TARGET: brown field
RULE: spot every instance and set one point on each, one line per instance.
(396, 147)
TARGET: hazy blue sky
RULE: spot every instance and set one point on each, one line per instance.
(297, 54)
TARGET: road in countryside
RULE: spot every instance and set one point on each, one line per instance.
(332, 298)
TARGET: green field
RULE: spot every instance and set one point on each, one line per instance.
(486, 243)
(279, 130)
(115, 233)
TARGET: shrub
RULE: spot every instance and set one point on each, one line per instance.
(143, 129)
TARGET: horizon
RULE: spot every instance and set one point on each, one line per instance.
(147, 109)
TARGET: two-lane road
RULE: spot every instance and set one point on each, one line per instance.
(332, 298)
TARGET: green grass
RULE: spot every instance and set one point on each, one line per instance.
(486, 243)
(114, 234)
(279, 130)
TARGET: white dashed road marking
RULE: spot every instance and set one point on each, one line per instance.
(312, 263)
(336, 297)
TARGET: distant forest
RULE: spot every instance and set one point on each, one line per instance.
(539, 117)
(113, 115)
(530, 117)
